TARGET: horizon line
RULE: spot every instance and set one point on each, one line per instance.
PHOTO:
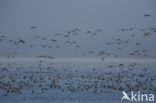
(82, 59)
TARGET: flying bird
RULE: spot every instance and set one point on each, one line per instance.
(22, 41)
(146, 15)
(33, 27)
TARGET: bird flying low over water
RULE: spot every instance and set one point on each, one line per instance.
(22, 41)
(33, 27)
(147, 15)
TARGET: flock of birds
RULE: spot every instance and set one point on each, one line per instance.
(48, 78)
(59, 40)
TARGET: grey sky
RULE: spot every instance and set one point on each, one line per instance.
(58, 16)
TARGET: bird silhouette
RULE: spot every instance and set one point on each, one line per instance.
(22, 41)
(33, 27)
(146, 15)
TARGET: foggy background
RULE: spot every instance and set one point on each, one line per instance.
(49, 17)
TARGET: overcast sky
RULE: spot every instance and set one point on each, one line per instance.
(57, 16)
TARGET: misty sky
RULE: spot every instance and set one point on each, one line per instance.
(59, 16)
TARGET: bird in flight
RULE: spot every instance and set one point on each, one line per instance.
(22, 41)
(146, 15)
(33, 27)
